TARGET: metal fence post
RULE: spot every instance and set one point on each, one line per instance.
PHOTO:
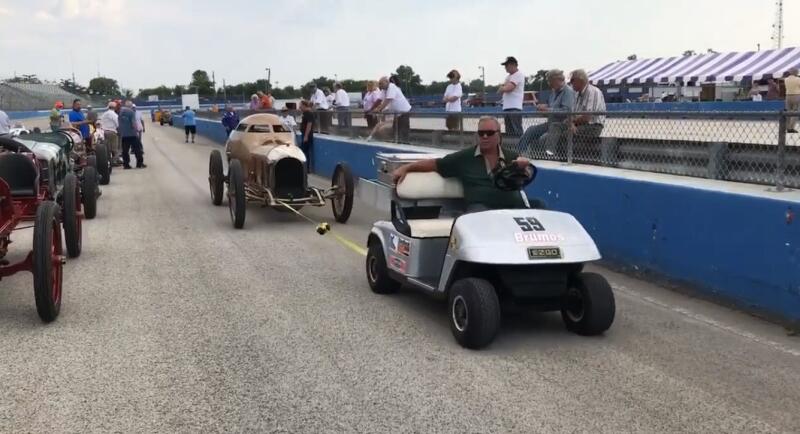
(570, 139)
(780, 166)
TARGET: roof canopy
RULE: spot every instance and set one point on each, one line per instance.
(704, 68)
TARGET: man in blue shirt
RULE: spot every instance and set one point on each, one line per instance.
(550, 133)
(230, 120)
(78, 120)
(189, 123)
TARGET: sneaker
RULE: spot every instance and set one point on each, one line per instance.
(187, 141)
(192, 140)
(142, 166)
(127, 167)
(791, 131)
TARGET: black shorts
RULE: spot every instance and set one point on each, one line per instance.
(190, 129)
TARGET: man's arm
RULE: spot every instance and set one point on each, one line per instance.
(307, 132)
(508, 86)
(418, 166)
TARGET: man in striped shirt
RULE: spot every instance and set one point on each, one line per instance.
(588, 98)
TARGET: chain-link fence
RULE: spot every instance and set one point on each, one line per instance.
(752, 147)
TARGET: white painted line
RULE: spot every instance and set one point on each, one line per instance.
(708, 321)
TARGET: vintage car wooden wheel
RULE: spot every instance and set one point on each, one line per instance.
(216, 177)
(342, 202)
(73, 230)
(237, 203)
(47, 261)
(103, 163)
(89, 192)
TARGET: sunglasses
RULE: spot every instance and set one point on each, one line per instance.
(487, 133)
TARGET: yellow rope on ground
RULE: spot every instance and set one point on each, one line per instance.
(324, 228)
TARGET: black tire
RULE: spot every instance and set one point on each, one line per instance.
(89, 192)
(161, 122)
(589, 305)
(47, 270)
(103, 165)
(342, 204)
(73, 230)
(216, 177)
(378, 272)
(171, 123)
(91, 161)
(236, 197)
(474, 311)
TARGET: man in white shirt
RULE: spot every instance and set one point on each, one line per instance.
(341, 101)
(320, 103)
(109, 122)
(287, 119)
(5, 123)
(588, 98)
(452, 100)
(512, 91)
(395, 102)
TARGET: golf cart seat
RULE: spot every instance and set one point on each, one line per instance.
(428, 186)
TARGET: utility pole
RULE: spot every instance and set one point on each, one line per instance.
(777, 27)
(269, 76)
(214, 84)
(224, 91)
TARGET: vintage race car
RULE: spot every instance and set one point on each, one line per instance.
(24, 198)
(266, 166)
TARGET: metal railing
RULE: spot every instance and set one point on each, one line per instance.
(752, 147)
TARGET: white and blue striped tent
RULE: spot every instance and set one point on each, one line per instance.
(704, 68)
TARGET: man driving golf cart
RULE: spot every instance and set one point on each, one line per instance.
(476, 168)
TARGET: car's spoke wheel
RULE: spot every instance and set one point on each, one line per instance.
(589, 307)
(377, 272)
(236, 197)
(342, 202)
(48, 253)
(103, 164)
(216, 177)
(89, 192)
(73, 226)
(474, 312)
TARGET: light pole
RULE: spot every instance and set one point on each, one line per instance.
(269, 75)
(483, 80)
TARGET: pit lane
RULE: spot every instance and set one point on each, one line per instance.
(174, 321)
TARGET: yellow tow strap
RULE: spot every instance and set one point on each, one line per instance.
(324, 228)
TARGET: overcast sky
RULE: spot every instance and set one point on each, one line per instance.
(144, 43)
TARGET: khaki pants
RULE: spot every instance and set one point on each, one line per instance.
(792, 105)
(112, 141)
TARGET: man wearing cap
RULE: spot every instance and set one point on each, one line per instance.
(78, 120)
(512, 91)
(287, 119)
(109, 122)
(130, 137)
(56, 118)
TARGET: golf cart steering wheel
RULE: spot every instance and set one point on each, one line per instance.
(511, 177)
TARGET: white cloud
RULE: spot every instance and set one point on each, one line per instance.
(44, 16)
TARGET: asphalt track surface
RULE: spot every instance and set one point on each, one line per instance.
(175, 322)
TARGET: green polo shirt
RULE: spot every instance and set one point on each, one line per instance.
(469, 166)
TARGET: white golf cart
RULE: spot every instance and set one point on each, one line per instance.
(477, 259)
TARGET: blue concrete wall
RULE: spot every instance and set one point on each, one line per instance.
(732, 247)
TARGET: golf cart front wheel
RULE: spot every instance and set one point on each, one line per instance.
(342, 203)
(589, 305)
(474, 311)
(377, 272)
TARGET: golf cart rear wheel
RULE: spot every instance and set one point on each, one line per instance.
(377, 271)
(89, 192)
(73, 231)
(47, 264)
(342, 203)
(589, 305)
(103, 164)
(216, 177)
(474, 311)
(237, 203)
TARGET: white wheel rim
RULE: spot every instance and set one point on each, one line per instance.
(574, 305)
(460, 313)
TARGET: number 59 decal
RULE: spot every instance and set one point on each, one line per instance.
(529, 224)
